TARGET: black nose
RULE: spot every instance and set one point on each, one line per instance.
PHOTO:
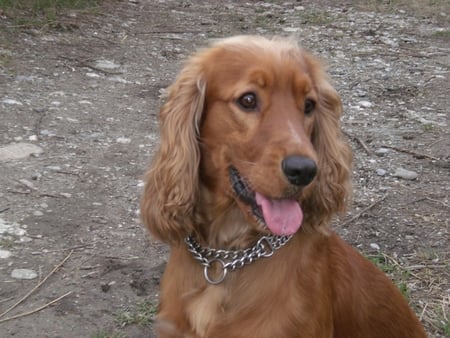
(299, 170)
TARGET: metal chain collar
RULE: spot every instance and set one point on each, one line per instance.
(230, 260)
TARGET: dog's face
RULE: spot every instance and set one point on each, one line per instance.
(256, 133)
(250, 133)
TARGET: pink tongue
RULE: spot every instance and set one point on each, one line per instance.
(282, 216)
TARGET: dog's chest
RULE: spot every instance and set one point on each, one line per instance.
(204, 309)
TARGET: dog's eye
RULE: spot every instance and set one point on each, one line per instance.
(309, 106)
(248, 101)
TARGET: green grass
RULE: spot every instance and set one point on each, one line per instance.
(104, 334)
(7, 243)
(142, 314)
(39, 13)
(382, 263)
(442, 34)
(399, 276)
(447, 328)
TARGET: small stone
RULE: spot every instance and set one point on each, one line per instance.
(5, 254)
(17, 151)
(365, 104)
(12, 101)
(381, 151)
(380, 172)
(66, 194)
(106, 64)
(92, 75)
(23, 274)
(38, 213)
(405, 174)
(123, 140)
(374, 246)
(291, 29)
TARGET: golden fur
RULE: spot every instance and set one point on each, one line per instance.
(315, 286)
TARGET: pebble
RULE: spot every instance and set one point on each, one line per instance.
(17, 151)
(93, 75)
(381, 151)
(365, 104)
(23, 274)
(106, 64)
(374, 246)
(381, 172)
(123, 140)
(405, 174)
(4, 254)
(12, 101)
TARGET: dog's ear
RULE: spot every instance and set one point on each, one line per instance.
(334, 155)
(172, 181)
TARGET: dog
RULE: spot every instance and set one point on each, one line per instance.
(251, 168)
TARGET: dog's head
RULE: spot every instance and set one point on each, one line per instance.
(254, 123)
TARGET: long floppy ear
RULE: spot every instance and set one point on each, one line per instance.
(333, 182)
(172, 181)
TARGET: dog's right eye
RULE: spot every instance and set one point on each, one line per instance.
(248, 101)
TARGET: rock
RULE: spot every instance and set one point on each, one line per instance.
(4, 254)
(380, 172)
(381, 151)
(17, 151)
(93, 75)
(12, 101)
(374, 246)
(106, 64)
(123, 140)
(405, 174)
(365, 104)
(23, 274)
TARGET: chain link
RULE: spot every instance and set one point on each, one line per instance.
(230, 260)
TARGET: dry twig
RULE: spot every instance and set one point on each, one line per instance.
(20, 315)
(358, 215)
(361, 142)
(414, 153)
(37, 286)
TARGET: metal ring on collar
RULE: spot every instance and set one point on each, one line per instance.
(221, 277)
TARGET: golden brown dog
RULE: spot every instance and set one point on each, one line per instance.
(251, 168)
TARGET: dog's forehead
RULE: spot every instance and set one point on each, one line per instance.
(266, 64)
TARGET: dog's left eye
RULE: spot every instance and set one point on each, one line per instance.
(248, 101)
(309, 106)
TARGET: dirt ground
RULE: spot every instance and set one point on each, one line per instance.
(85, 94)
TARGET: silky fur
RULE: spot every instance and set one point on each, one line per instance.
(316, 285)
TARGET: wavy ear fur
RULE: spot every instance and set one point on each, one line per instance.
(333, 188)
(172, 181)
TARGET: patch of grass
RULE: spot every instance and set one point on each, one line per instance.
(442, 34)
(143, 314)
(104, 334)
(7, 243)
(382, 263)
(316, 18)
(427, 127)
(399, 276)
(38, 13)
(446, 327)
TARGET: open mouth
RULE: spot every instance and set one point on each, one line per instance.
(280, 216)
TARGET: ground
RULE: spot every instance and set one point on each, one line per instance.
(83, 91)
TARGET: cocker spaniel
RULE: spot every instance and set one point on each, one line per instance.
(251, 167)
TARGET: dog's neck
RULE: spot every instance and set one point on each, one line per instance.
(230, 230)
